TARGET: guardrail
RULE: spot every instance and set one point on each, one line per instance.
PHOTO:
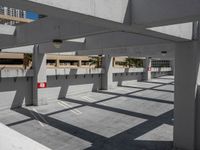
(74, 71)
(163, 69)
(9, 73)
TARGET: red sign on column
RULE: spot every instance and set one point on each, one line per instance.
(42, 85)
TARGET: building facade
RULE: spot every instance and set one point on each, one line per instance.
(6, 11)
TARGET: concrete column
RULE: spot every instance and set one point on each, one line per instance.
(5, 10)
(57, 62)
(39, 78)
(107, 78)
(172, 65)
(147, 69)
(114, 65)
(186, 128)
(79, 63)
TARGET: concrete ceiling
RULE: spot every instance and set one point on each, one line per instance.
(106, 24)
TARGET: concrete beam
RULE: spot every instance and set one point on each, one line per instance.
(113, 40)
(114, 10)
(119, 40)
(65, 47)
(159, 12)
(120, 44)
(156, 13)
(61, 10)
(151, 50)
(47, 29)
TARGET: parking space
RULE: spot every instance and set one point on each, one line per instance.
(138, 117)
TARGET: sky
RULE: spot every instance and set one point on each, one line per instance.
(32, 15)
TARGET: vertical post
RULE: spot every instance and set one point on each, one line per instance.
(39, 78)
(5, 10)
(79, 63)
(186, 81)
(107, 78)
(147, 68)
(57, 62)
(172, 65)
(114, 63)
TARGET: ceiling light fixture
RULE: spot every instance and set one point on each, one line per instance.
(164, 53)
(57, 43)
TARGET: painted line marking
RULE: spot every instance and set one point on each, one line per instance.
(127, 90)
(37, 119)
(87, 99)
(65, 105)
(71, 107)
(40, 116)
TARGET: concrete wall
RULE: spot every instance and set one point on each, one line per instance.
(16, 85)
(127, 76)
(157, 72)
(62, 82)
(15, 92)
(60, 86)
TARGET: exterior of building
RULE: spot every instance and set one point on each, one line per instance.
(12, 16)
(11, 12)
(160, 63)
(22, 60)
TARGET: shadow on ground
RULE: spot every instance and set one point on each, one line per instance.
(126, 140)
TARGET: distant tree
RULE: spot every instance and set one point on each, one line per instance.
(27, 60)
(132, 62)
(96, 61)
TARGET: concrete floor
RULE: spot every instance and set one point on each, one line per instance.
(131, 117)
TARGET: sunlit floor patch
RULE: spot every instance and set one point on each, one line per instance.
(161, 133)
(134, 117)
(103, 122)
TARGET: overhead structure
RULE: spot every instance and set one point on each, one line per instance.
(120, 27)
(112, 16)
(12, 18)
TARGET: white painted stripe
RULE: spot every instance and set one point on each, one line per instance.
(126, 90)
(65, 106)
(71, 107)
(87, 99)
(40, 116)
(37, 119)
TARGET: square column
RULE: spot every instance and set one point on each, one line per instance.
(147, 68)
(79, 63)
(187, 77)
(57, 62)
(107, 78)
(172, 65)
(39, 78)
